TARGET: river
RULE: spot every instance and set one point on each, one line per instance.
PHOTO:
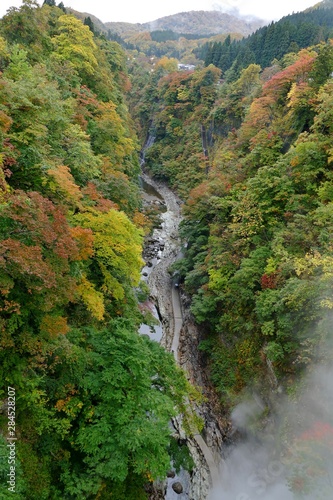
(166, 305)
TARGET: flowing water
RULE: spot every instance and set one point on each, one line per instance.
(165, 234)
(165, 305)
(154, 246)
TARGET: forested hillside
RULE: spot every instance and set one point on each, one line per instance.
(252, 159)
(257, 200)
(249, 150)
(173, 36)
(289, 34)
(71, 230)
(196, 22)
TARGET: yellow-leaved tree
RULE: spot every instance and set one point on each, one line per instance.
(117, 250)
(75, 44)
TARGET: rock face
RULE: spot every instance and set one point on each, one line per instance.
(217, 423)
(165, 240)
(155, 491)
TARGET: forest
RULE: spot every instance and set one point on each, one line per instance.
(250, 154)
(72, 229)
(290, 34)
(257, 202)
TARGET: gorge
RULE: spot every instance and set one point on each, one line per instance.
(235, 277)
(171, 311)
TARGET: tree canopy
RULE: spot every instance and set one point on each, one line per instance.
(93, 398)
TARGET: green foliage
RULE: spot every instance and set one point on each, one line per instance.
(182, 111)
(252, 158)
(94, 399)
(272, 42)
(257, 216)
(323, 65)
(127, 401)
(180, 456)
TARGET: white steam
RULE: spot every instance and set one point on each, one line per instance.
(294, 449)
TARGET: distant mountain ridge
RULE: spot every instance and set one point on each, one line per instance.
(199, 22)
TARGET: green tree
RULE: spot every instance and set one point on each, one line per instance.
(75, 44)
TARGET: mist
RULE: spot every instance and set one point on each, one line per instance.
(286, 447)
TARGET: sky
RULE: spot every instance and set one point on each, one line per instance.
(141, 11)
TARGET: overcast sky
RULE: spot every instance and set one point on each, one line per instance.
(140, 11)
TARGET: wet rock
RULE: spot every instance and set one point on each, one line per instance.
(177, 487)
(171, 473)
(156, 491)
(144, 274)
(149, 264)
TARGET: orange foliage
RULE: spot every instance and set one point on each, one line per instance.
(269, 280)
(198, 193)
(26, 260)
(297, 72)
(5, 122)
(265, 109)
(125, 82)
(100, 203)
(54, 326)
(84, 239)
(261, 112)
(87, 103)
(141, 220)
(45, 222)
(65, 183)
(320, 431)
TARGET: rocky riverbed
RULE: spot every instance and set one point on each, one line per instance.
(181, 335)
(163, 246)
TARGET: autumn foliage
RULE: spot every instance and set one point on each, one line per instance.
(70, 259)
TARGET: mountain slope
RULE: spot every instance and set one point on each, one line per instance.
(194, 22)
(289, 34)
(205, 22)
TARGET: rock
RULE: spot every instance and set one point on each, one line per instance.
(177, 487)
(171, 473)
(156, 491)
(149, 264)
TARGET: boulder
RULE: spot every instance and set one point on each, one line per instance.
(177, 487)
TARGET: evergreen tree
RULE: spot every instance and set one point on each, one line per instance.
(88, 22)
(323, 65)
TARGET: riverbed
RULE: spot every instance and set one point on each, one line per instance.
(166, 303)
